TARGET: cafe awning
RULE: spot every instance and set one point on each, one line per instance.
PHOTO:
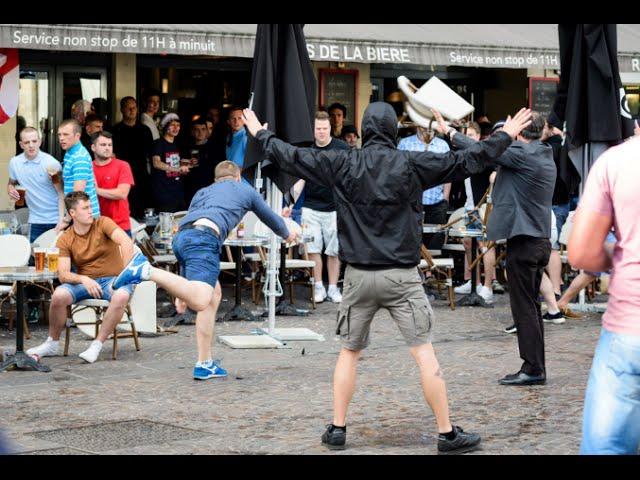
(471, 45)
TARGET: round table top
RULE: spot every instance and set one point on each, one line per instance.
(431, 228)
(458, 232)
(25, 274)
(248, 241)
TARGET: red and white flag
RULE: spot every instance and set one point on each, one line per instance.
(9, 83)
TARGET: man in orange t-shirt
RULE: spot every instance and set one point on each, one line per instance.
(96, 248)
(114, 180)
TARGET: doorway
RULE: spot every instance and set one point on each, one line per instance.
(47, 94)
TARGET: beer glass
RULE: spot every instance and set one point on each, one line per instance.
(22, 192)
(52, 259)
(195, 157)
(39, 254)
(54, 173)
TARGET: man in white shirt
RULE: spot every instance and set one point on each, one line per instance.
(151, 107)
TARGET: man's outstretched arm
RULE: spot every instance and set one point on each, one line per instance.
(435, 169)
(309, 164)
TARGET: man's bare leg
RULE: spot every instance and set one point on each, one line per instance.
(60, 300)
(433, 385)
(197, 295)
(113, 315)
(489, 262)
(344, 384)
(546, 289)
(555, 270)
(205, 326)
(317, 270)
(578, 283)
(333, 269)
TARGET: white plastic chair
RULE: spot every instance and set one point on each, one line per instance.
(15, 251)
(47, 240)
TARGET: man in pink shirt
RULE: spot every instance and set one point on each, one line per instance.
(611, 422)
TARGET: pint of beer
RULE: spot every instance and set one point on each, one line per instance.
(39, 254)
(195, 157)
(52, 259)
(22, 192)
(54, 173)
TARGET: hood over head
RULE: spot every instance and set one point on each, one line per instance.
(380, 126)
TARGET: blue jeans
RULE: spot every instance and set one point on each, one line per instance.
(79, 292)
(561, 212)
(611, 422)
(198, 253)
(37, 229)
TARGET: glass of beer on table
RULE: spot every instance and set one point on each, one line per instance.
(52, 258)
(22, 192)
(39, 255)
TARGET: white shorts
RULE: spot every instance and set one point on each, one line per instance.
(323, 226)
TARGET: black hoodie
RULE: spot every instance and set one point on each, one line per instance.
(378, 189)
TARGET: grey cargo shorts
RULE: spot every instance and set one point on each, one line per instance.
(399, 290)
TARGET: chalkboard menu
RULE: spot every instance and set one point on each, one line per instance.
(340, 86)
(542, 94)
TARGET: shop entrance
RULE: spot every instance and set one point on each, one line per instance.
(47, 94)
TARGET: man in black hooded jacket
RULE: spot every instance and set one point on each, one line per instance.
(378, 196)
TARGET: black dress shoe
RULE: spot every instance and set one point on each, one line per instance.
(522, 378)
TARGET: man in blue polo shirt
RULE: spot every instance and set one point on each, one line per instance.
(36, 171)
(215, 210)
(77, 169)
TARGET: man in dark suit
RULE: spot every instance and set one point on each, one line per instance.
(521, 214)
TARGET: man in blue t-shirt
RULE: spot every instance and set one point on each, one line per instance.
(77, 168)
(39, 173)
(237, 139)
(215, 210)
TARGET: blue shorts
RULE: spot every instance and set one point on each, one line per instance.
(79, 292)
(199, 255)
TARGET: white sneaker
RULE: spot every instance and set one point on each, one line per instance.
(49, 348)
(90, 355)
(334, 295)
(464, 289)
(486, 293)
(320, 294)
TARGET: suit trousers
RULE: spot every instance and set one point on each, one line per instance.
(526, 259)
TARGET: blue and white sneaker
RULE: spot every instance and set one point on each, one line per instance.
(207, 370)
(138, 270)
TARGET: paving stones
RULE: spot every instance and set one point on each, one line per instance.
(278, 401)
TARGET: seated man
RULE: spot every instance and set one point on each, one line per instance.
(96, 247)
(214, 212)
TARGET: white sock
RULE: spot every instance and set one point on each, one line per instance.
(204, 363)
(333, 288)
(319, 285)
(51, 340)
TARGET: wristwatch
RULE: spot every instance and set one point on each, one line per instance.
(451, 133)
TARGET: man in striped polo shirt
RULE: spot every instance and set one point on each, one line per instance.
(77, 168)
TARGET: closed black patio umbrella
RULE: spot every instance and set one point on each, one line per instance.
(283, 93)
(590, 96)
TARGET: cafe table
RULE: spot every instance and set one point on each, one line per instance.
(22, 275)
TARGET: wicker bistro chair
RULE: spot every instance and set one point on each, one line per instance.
(99, 308)
(441, 270)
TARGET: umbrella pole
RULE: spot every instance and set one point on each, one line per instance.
(586, 153)
(274, 197)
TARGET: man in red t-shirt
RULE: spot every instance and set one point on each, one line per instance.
(113, 181)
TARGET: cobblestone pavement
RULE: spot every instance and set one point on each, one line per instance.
(278, 401)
